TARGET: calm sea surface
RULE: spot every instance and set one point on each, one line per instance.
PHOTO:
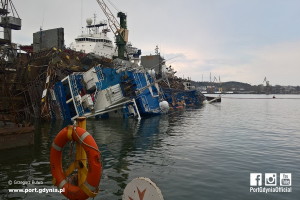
(206, 153)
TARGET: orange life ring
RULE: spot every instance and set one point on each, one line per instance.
(89, 187)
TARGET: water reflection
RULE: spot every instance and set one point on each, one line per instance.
(28, 163)
(123, 144)
(207, 152)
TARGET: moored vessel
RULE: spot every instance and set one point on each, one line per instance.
(94, 40)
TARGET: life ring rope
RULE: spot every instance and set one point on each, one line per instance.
(82, 137)
(87, 152)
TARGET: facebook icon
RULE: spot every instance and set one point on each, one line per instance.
(255, 179)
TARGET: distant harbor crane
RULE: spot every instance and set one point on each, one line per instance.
(10, 20)
(268, 88)
(267, 82)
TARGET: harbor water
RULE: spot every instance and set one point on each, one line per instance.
(206, 153)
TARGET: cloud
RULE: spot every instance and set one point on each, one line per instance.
(222, 38)
(280, 63)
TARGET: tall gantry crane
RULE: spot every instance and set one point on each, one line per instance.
(9, 20)
(119, 29)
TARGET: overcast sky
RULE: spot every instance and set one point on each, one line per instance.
(238, 40)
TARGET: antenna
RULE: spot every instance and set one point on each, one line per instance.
(81, 11)
(95, 29)
(43, 19)
(156, 50)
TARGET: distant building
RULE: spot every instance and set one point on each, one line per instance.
(48, 39)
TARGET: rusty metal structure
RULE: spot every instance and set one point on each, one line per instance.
(24, 79)
(9, 78)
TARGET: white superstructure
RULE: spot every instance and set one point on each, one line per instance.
(95, 40)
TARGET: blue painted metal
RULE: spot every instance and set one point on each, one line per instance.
(191, 98)
(134, 85)
(147, 101)
(60, 94)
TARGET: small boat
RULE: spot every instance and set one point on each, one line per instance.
(213, 99)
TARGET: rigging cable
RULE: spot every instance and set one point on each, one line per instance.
(113, 5)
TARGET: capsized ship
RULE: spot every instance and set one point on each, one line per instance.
(120, 87)
(125, 90)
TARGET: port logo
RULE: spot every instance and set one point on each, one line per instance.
(270, 179)
(285, 179)
(256, 179)
(269, 182)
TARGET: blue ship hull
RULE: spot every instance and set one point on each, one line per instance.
(107, 92)
(183, 98)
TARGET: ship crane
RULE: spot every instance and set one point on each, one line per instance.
(119, 29)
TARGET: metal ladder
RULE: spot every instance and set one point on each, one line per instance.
(74, 88)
